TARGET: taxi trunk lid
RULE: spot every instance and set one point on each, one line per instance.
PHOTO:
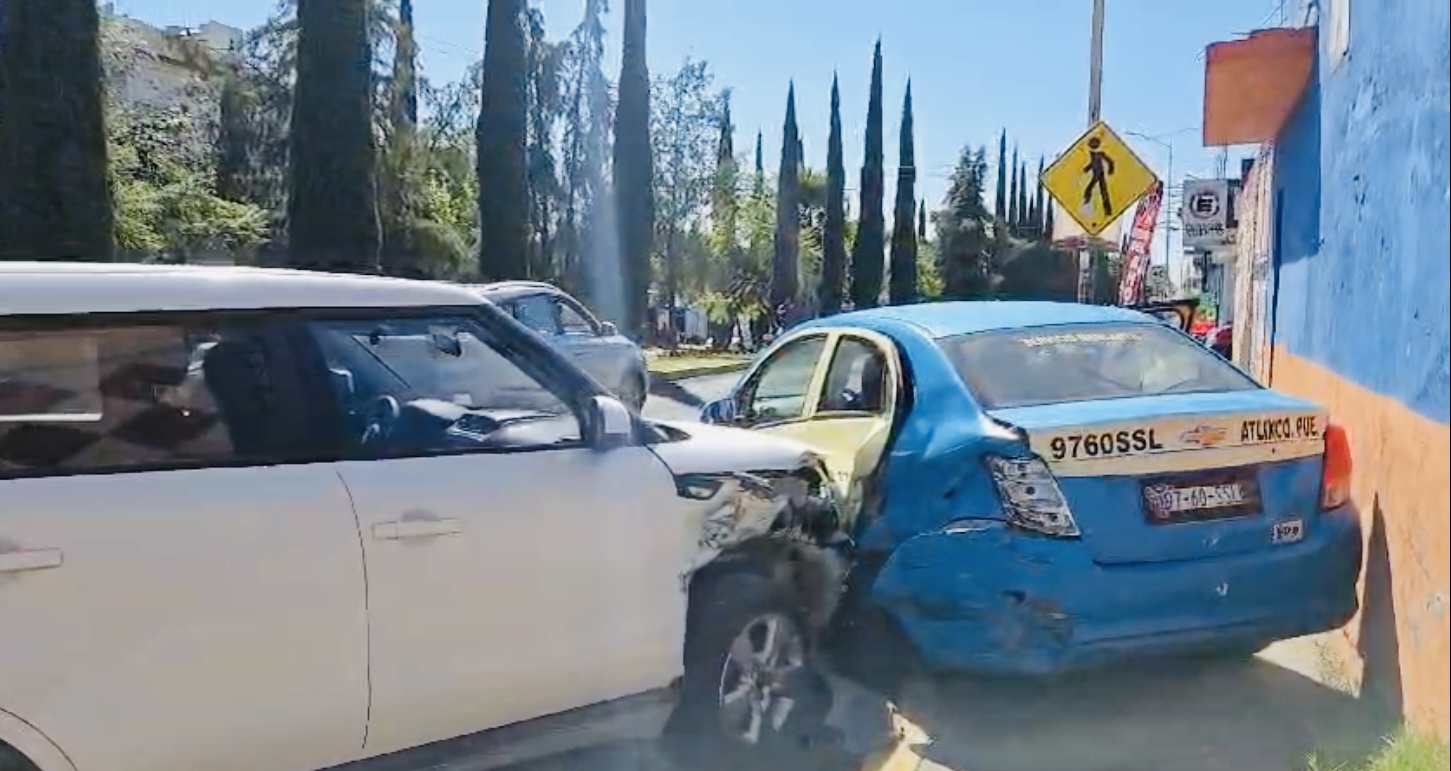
(1182, 476)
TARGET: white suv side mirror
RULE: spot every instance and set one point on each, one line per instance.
(610, 423)
(608, 329)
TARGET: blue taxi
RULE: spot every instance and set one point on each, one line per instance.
(1036, 487)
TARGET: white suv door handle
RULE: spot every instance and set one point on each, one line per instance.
(32, 559)
(417, 528)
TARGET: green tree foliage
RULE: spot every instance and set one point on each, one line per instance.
(166, 203)
(785, 265)
(586, 229)
(868, 254)
(1036, 271)
(546, 62)
(685, 131)
(830, 290)
(962, 230)
(903, 286)
(332, 211)
(55, 201)
(501, 137)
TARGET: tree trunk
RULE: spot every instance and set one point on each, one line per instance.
(55, 200)
(332, 211)
(502, 139)
(634, 169)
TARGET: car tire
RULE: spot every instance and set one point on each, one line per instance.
(751, 696)
(634, 391)
(867, 644)
(10, 760)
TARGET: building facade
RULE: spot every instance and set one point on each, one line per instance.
(1344, 240)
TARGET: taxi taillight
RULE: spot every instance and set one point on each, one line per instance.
(1335, 485)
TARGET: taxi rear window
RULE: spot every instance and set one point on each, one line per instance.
(1085, 362)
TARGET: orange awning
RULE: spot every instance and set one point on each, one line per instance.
(1251, 86)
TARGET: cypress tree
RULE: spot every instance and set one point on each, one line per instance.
(55, 200)
(784, 265)
(1013, 214)
(921, 222)
(760, 182)
(903, 285)
(868, 254)
(1000, 202)
(332, 211)
(405, 72)
(502, 135)
(1024, 216)
(1038, 217)
(1048, 218)
(634, 169)
(833, 237)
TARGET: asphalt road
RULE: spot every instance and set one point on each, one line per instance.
(1265, 714)
(682, 400)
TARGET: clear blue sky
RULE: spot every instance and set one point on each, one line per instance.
(977, 66)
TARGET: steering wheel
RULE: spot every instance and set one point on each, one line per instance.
(380, 418)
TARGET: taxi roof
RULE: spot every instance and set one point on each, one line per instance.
(79, 287)
(945, 319)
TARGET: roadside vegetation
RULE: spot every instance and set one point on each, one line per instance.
(629, 189)
(1406, 751)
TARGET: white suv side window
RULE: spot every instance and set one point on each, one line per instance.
(437, 385)
(132, 396)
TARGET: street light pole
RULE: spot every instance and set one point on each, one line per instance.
(1086, 273)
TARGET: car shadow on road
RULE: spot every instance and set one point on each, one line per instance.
(669, 389)
(1181, 716)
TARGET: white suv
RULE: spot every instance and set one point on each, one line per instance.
(276, 520)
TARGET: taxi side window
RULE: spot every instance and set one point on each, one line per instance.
(856, 381)
(780, 388)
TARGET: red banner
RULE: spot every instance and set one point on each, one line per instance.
(1136, 253)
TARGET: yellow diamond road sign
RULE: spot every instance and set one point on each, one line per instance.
(1097, 179)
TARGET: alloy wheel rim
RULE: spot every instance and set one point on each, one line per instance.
(755, 695)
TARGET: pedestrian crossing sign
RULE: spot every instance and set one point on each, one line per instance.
(1097, 179)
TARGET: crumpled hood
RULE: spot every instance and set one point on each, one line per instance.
(721, 449)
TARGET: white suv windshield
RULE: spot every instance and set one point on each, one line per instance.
(432, 359)
(1047, 365)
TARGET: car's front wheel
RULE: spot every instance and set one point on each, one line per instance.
(633, 391)
(750, 691)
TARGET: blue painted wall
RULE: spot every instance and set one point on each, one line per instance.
(1364, 240)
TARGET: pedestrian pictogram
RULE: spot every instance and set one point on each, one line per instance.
(1097, 179)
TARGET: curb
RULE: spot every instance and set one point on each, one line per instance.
(705, 369)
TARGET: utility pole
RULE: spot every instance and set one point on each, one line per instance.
(1086, 273)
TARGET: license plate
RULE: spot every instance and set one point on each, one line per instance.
(1289, 531)
(1201, 497)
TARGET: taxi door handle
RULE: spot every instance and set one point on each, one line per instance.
(31, 559)
(416, 528)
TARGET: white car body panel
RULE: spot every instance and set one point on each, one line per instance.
(193, 613)
(712, 449)
(557, 588)
(297, 616)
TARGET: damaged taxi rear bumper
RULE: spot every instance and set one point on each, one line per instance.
(992, 600)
